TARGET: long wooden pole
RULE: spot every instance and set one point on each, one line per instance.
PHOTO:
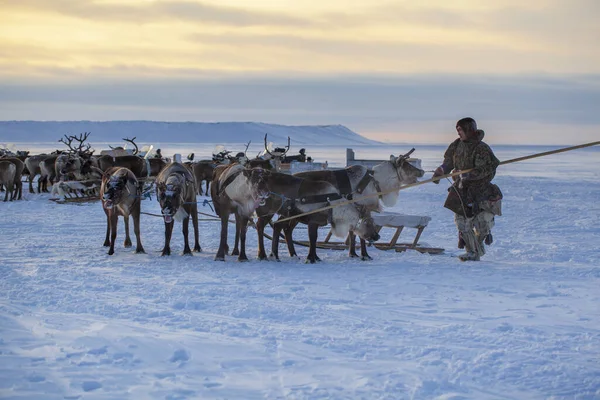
(514, 160)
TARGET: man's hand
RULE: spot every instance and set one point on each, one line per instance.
(438, 172)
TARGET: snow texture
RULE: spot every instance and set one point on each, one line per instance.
(523, 323)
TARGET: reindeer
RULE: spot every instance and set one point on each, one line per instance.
(133, 162)
(277, 154)
(17, 187)
(33, 166)
(203, 171)
(8, 172)
(77, 160)
(176, 194)
(357, 181)
(156, 165)
(291, 195)
(120, 197)
(238, 190)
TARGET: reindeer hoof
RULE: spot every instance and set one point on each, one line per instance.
(111, 252)
(198, 249)
(242, 259)
(165, 253)
(140, 251)
(353, 255)
(127, 244)
(311, 261)
(106, 245)
(262, 257)
(366, 258)
(219, 258)
(235, 252)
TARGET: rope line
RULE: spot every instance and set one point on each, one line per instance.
(450, 175)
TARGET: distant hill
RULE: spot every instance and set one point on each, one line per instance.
(179, 132)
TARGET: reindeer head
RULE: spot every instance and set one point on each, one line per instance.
(117, 187)
(353, 217)
(258, 180)
(68, 164)
(408, 169)
(170, 197)
(366, 229)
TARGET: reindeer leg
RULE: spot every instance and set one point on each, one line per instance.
(6, 194)
(352, 239)
(197, 247)
(31, 183)
(243, 230)
(313, 231)
(289, 241)
(238, 228)
(168, 232)
(107, 240)
(224, 221)
(275, 241)
(260, 228)
(136, 229)
(127, 237)
(186, 231)
(114, 220)
(363, 251)
(207, 183)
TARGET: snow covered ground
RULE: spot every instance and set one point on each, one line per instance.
(523, 323)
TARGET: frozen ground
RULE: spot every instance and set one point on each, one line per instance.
(522, 324)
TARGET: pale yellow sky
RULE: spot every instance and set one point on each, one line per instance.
(67, 38)
(387, 69)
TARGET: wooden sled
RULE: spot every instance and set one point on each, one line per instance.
(395, 221)
(76, 191)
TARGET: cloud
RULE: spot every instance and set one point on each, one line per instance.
(149, 12)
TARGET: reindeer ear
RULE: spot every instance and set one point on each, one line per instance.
(392, 158)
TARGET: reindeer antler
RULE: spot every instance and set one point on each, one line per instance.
(266, 148)
(69, 140)
(288, 147)
(248, 145)
(81, 139)
(407, 155)
(132, 141)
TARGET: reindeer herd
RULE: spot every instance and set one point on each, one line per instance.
(242, 187)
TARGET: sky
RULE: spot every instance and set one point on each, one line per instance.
(528, 72)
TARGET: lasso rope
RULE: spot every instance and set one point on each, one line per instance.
(437, 178)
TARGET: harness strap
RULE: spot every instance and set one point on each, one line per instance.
(364, 182)
(227, 182)
(318, 198)
(343, 182)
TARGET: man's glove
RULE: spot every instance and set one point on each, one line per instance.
(438, 172)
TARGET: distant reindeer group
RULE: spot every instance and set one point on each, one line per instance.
(238, 186)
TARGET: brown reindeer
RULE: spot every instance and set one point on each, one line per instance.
(237, 190)
(8, 171)
(203, 171)
(134, 163)
(48, 172)
(176, 194)
(156, 165)
(33, 166)
(120, 197)
(291, 195)
(357, 181)
(17, 189)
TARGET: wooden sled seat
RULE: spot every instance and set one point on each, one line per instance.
(398, 222)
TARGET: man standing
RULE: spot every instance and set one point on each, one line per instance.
(473, 198)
